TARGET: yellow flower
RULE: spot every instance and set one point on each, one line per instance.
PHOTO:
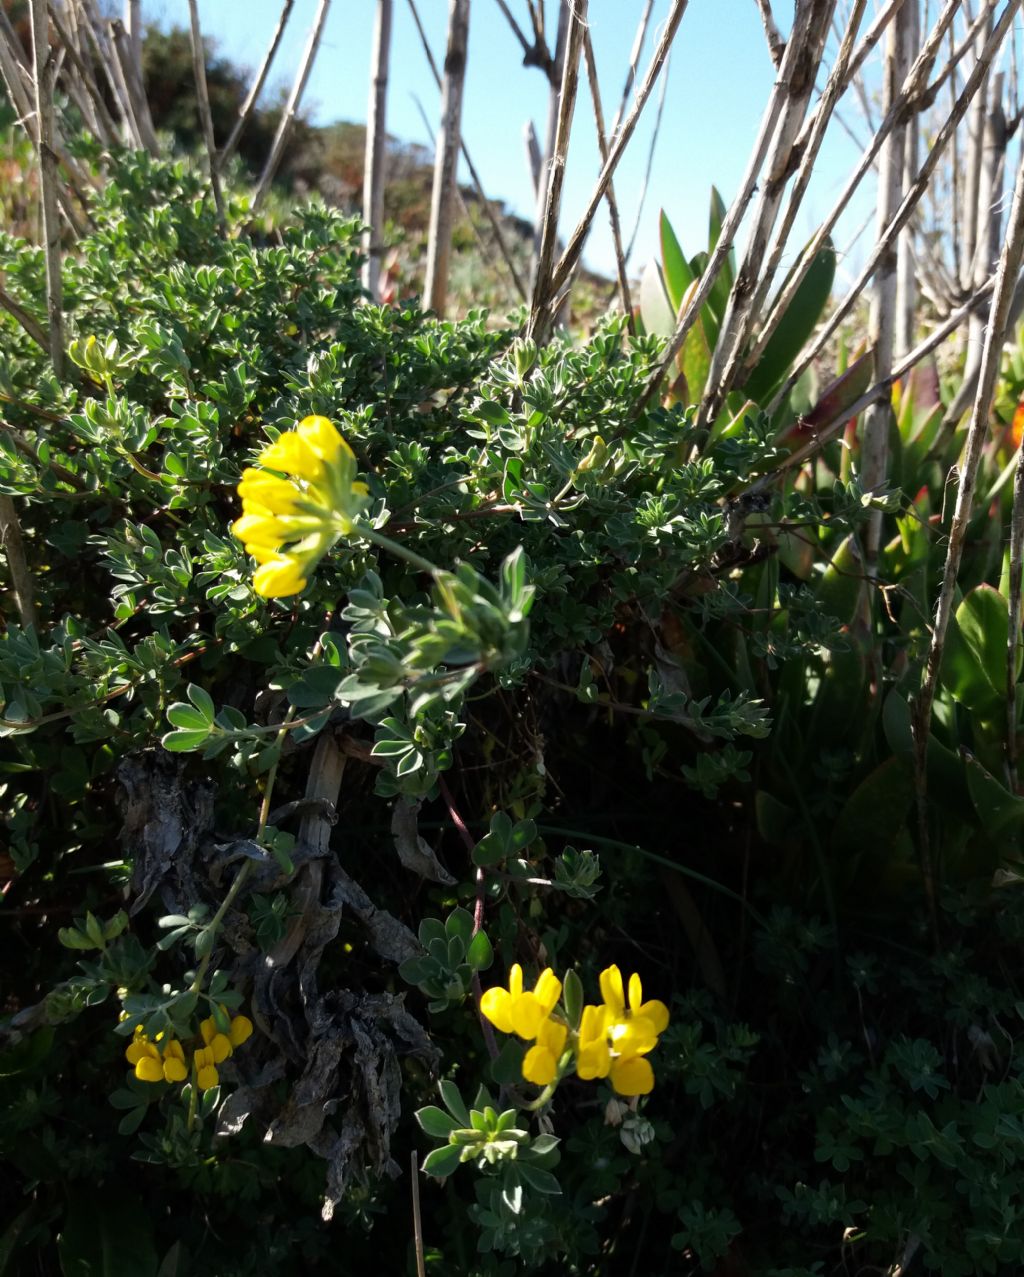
(153, 1066)
(241, 1030)
(541, 1061)
(289, 524)
(206, 1068)
(514, 1010)
(614, 1037)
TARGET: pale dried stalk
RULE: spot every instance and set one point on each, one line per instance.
(791, 62)
(533, 156)
(103, 56)
(94, 108)
(43, 76)
(203, 102)
(517, 31)
(613, 208)
(634, 61)
(291, 106)
(906, 281)
(132, 70)
(882, 318)
(543, 291)
(20, 89)
(776, 44)
(973, 162)
(808, 144)
(485, 203)
(910, 199)
(555, 74)
(911, 88)
(995, 335)
(17, 565)
(649, 166)
(376, 150)
(446, 155)
(1013, 637)
(133, 26)
(567, 262)
(247, 108)
(798, 77)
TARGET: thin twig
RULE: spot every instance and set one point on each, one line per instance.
(205, 116)
(995, 335)
(639, 38)
(247, 108)
(132, 71)
(36, 331)
(291, 107)
(645, 182)
(17, 566)
(417, 1222)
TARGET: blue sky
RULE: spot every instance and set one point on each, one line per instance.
(718, 81)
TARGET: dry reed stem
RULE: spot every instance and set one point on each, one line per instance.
(34, 330)
(446, 155)
(247, 108)
(485, 203)
(613, 208)
(132, 71)
(791, 62)
(100, 119)
(995, 334)
(776, 44)
(808, 145)
(908, 204)
(203, 101)
(634, 61)
(620, 140)
(43, 75)
(874, 460)
(809, 35)
(911, 87)
(291, 106)
(543, 289)
(376, 149)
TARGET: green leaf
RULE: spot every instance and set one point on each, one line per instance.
(794, 328)
(452, 1100)
(655, 308)
(677, 273)
(480, 954)
(442, 1161)
(572, 996)
(202, 700)
(974, 662)
(187, 717)
(542, 1181)
(436, 1121)
(182, 742)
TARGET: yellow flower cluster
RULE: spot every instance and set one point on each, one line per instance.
(163, 1059)
(288, 524)
(613, 1039)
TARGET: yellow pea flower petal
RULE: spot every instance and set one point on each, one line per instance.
(148, 1069)
(138, 1050)
(657, 1013)
(220, 1048)
(279, 578)
(539, 1066)
(633, 1036)
(496, 1006)
(527, 1014)
(593, 1061)
(548, 989)
(632, 1075)
(207, 1078)
(174, 1050)
(293, 455)
(174, 1069)
(612, 991)
(322, 436)
(241, 1030)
